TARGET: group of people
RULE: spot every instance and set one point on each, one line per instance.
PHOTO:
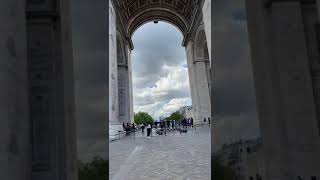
(205, 120)
(129, 127)
(149, 129)
(185, 123)
(132, 127)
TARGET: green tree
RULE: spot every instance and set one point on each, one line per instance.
(222, 172)
(97, 169)
(176, 116)
(143, 117)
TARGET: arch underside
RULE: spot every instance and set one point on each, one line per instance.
(134, 13)
(161, 15)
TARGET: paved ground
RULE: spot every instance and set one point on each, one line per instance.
(171, 157)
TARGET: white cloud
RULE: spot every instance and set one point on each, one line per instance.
(167, 95)
(175, 104)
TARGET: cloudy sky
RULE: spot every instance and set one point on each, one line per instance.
(160, 74)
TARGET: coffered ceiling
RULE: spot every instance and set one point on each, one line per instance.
(134, 13)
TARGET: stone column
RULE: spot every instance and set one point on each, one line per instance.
(206, 12)
(202, 89)
(284, 92)
(14, 124)
(51, 92)
(131, 110)
(198, 77)
(114, 124)
(124, 80)
(124, 94)
(192, 81)
(67, 93)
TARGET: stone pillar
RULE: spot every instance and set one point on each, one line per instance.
(14, 123)
(192, 81)
(202, 89)
(124, 80)
(124, 94)
(206, 12)
(51, 91)
(199, 84)
(284, 92)
(114, 124)
(67, 93)
(131, 110)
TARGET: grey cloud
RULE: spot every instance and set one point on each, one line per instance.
(153, 50)
(171, 94)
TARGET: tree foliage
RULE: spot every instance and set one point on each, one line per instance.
(222, 172)
(143, 117)
(176, 116)
(97, 169)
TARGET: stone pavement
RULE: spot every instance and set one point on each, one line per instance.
(171, 157)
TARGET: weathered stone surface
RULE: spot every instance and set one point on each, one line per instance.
(14, 123)
(284, 92)
(51, 90)
(206, 11)
(113, 75)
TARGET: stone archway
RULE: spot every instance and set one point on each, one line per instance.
(187, 16)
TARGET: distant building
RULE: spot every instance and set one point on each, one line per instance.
(244, 157)
(161, 118)
(186, 111)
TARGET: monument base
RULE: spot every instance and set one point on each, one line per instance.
(116, 132)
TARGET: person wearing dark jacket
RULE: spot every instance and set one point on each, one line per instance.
(148, 130)
(142, 128)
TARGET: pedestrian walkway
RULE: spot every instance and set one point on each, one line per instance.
(171, 157)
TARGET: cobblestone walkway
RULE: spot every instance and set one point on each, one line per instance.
(171, 157)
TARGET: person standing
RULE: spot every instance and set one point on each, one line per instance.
(142, 128)
(133, 127)
(192, 122)
(148, 130)
(124, 126)
(209, 120)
